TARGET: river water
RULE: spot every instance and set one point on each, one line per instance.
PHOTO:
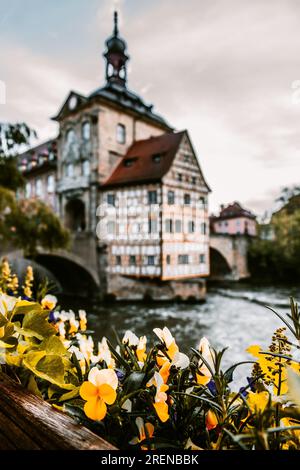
(234, 317)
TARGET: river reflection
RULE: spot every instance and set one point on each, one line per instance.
(234, 317)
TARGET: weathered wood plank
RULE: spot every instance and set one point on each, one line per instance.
(15, 434)
(6, 444)
(30, 423)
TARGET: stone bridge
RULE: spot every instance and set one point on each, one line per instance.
(82, 270)
(75, 271)
(228, 257)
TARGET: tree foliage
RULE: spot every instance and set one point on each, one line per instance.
(278, 259)
(33, 225)
(26, 224)
(12, 137)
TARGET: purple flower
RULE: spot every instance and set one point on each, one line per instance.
(212, 387)
(244, 390)
(52, 318)
(120, 374)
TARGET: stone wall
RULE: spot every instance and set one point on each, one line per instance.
(134, 289)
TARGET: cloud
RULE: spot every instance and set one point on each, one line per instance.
(223, 69)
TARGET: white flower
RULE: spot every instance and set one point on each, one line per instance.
(130, 338)
(127, 405)
(86, 346)
(142, 343)
(164, 335)
(208, 355)
(180, 360)
(7, 303)
(104, 354)
(61, 329)
(77, 352)
(82, 315)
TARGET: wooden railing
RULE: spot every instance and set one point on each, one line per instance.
(28, 423)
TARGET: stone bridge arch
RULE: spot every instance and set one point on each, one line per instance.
(73, 274)
(232, 250)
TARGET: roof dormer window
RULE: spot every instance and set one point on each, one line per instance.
(128, 162)
(156, 158)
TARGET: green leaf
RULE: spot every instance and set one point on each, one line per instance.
(9, 343)
(118, 357)
(3, 320)
(283, 320)
(9, 330)
(70, 395)
(32, 386)
(49, 368)
(133, 382)
(30, 308)
(53, 367)
(206, 400)
(36, 324)
(53, 345)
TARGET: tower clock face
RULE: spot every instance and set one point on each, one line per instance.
(73, 102)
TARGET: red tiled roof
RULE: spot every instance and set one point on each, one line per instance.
(146, 160)
(232, 211)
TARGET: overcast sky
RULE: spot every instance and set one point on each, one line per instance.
(223, 69)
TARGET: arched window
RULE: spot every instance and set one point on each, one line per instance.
(86, 168)
(50, 184)
(86, 130)
(28, 190)
(70, 136)
(69, 170)
(39, 188)
(121, 134)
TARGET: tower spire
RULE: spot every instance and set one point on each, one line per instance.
(116, 57)
(116, 28)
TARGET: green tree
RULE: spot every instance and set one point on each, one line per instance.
(12, 137)
(33, 225)
(27, 224)
(279, 258)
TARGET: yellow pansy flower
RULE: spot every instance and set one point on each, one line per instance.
(82, 320)
(166, 337)
(139, 345)
(99, 391)
(204, 375)
(141, 349)
(160, 405)
(49, 302)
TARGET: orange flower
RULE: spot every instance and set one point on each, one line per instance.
(211, 420)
